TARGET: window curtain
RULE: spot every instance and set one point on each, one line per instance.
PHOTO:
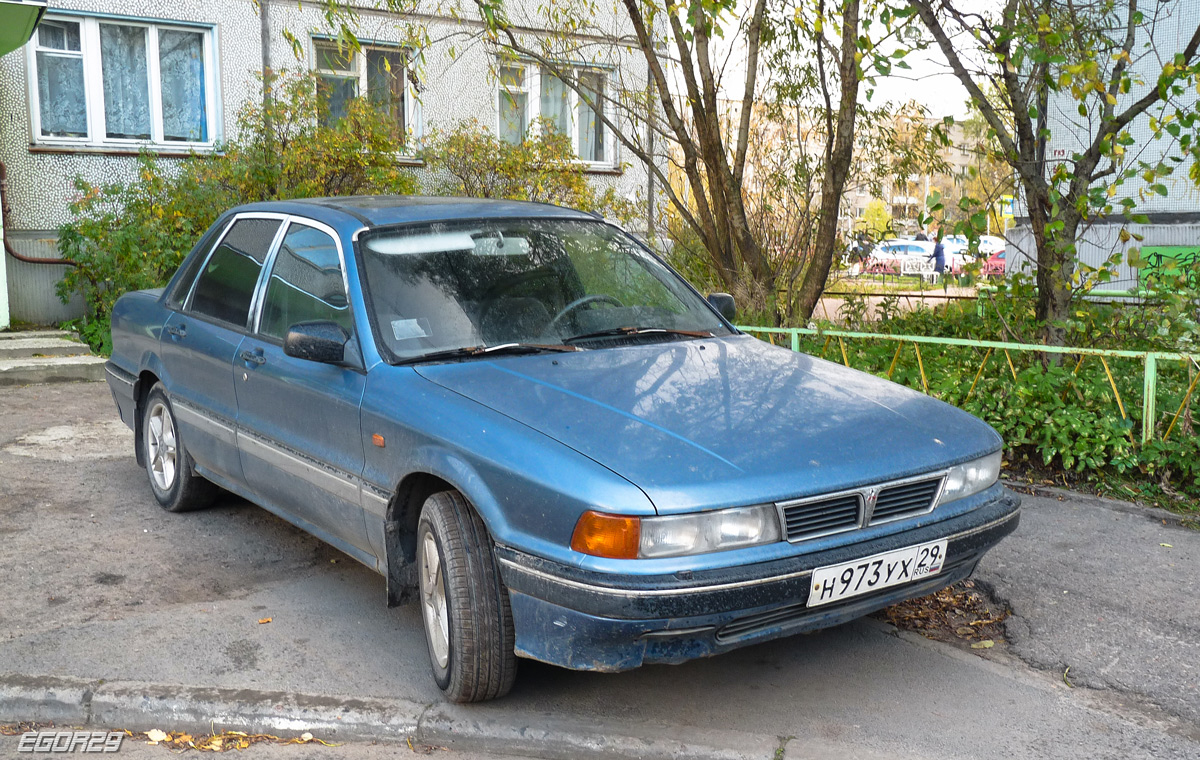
(512, 117)
(591, 128)
(184, 101)
(337, 80)
(338, 92)
(61, 101)
(126, 81)
(386, 85)
(513, 105)
(556, 103)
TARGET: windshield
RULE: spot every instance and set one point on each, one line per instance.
(446, 286)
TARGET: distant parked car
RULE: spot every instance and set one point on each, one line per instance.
(892, 253)
(988, 244)
(996, 265)
(521, 416)
(896, 248)
(991, 244)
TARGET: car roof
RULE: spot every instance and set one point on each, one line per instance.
(382, 210)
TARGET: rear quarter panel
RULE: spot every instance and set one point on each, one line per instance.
(137, 322)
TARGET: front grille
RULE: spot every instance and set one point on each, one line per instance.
(905, 500)
(815, 518)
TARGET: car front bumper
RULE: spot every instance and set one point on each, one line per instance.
(590, 621)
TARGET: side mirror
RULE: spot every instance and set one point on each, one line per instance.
(724, 304)
(323, 342)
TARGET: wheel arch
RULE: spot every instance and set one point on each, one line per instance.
(141, 389)
(400, 531)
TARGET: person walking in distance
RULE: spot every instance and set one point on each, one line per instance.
(939, 257)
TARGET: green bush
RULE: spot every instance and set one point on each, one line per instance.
(469, 160)
(1058, 415)
(132, 235)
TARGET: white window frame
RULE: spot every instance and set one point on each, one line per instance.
(412, 104)
(532, 86)
(93, 85)
(521, 88)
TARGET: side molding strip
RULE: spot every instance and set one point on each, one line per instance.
(343, 485)
(311, 472)
(190, 415)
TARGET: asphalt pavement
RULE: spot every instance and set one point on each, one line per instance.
(153, 620)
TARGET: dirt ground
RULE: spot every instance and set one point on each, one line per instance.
(54, 467)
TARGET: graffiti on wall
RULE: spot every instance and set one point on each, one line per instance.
(1171, 261)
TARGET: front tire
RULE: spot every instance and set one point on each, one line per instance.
(464, 603)
(171, 471)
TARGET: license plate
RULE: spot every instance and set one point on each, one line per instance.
(862, 576)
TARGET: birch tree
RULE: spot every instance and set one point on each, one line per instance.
(1107, 60)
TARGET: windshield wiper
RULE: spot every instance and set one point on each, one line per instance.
(630, 331)
(467, 352)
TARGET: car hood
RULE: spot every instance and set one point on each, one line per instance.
(723, 421)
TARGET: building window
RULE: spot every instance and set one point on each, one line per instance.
(379, 71)
(558, 106)
(590, 143)
(514, 104)
(102, 81)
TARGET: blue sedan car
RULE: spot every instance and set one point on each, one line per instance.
(532, 426)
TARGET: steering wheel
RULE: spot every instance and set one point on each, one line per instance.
(579, 303)
(495, 295)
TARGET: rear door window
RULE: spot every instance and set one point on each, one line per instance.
(191, 267)
(226, 286)
(306, 283)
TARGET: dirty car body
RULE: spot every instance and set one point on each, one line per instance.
(642, 482)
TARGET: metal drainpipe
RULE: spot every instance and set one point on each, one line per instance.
(7, 247)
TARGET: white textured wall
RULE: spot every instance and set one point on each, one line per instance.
(1098, 243)
(4, 316)
(455, 87)
(1174, 22)
(41, 184)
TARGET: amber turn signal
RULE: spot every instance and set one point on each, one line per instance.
(601, 535)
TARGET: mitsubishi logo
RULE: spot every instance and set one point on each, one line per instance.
(870, 496)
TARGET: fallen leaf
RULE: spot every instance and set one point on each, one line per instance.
(155, 735)
(1167, 545)
(964, 630)
(306, 737)
(263, 621)
(985, 644)
(1065, 672)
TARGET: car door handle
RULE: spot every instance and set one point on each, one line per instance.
(177, 331)
(253, 357)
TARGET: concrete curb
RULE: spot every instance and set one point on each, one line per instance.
(52, 369)
(142, 706)
(45, 699)
(1103, 502)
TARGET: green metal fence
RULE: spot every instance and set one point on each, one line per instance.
(1149, 359)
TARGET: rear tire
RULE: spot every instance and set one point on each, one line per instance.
(464, 603)
(170, 468)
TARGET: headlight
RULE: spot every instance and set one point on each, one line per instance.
(971, 477)
(624, 537)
